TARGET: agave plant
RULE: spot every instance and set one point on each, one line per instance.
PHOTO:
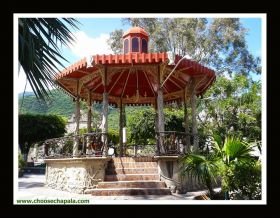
(39, 52)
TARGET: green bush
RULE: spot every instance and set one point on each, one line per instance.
(113, 136)
(34, 128)
(21, 162)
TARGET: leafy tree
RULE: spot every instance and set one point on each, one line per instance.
(114, 41)
(142, 126)
(39, 52)
(173, 119)
(219, 43)
(142, 123)
(36, 128)
(232, 105)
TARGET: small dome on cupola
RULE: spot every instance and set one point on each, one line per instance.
(135, 40)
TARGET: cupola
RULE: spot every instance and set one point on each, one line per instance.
(135, 40)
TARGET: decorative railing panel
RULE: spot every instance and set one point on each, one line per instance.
(140, 150)
(90, 144)
(173, 143)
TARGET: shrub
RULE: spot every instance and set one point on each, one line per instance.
(21, 162)
(35, 128)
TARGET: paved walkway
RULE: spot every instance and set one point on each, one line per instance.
(32, 187)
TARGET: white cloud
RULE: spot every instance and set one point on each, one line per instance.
(86, 45)
(83, 47)
(20, 82)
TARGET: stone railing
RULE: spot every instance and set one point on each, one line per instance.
(90, 144)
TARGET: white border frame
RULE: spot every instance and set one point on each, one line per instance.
(263, 18)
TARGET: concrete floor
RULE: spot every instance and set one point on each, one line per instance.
(31, 186)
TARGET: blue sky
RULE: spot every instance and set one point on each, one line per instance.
(93, 33)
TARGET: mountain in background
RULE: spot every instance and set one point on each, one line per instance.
(26, 94)
(63, 105)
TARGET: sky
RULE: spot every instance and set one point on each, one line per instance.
(94, 32)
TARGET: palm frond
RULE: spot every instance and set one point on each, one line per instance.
(234, 148)
(39, 52)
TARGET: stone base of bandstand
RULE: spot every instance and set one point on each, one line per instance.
(75, 174)
(169, 171)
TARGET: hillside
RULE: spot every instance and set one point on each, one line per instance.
(63, 105)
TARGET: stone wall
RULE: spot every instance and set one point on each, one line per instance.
(169, 171)
(75, 174)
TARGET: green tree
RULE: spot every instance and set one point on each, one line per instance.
(35, 128)
(39, 52)
(232, 105)
(114, 41)
(142, 126)
(219, 43)
(141, 123)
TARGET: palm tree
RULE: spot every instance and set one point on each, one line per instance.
(203, 168)
(39, 52)
(225, 154)
(230, 153)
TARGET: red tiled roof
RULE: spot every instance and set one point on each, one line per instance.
(116, 59)
(143, 81)
(135, 30)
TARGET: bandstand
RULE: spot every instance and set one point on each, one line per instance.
(135, 77)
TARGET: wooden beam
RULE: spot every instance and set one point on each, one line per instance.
(125, 82)
(149, 83)
(116, 81)
(171, 80)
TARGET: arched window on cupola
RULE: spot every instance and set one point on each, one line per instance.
(135, 44)
(125, 49)
(144, 46)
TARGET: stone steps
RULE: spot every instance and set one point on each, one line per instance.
(129, 177)
(128, 191)
(152, 170)
(132, 159)
(132, 184)
(132, 165)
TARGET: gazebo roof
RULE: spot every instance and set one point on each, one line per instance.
(135, 30)
(134, 77)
